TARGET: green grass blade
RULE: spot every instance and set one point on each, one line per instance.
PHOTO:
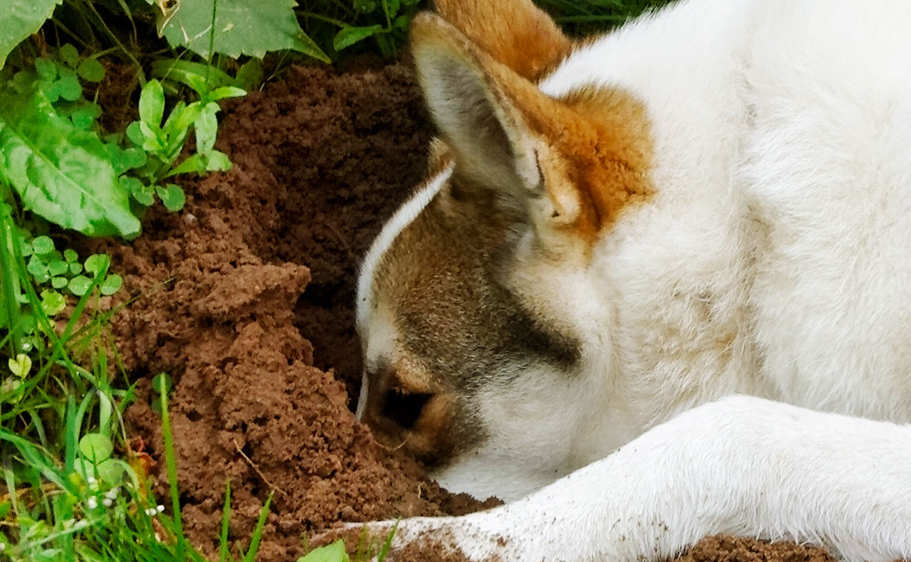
(258, 530)
(171, 463)
(225, 523)
(9, 277)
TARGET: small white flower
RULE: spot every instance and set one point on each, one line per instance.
(2, 546)
(112, 493)
(69, 523)
(160, 508)
(107, 502)
(92, 503)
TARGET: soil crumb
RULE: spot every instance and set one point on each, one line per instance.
(725, 548)
(245, 298)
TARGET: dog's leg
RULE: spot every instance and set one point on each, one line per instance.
(742, 465)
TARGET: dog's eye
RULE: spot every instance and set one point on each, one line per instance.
(404, 408)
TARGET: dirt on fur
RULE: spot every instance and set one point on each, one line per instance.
(246, 299)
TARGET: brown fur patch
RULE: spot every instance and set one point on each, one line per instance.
(597, 149)
(515, 32)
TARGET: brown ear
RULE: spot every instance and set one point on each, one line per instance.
(565, 166)
(514, 32)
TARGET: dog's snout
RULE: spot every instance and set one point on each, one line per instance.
(404, 408)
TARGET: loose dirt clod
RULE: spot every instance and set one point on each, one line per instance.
(723, 548)
(247, 299)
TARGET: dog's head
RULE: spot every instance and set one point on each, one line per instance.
(476, 310)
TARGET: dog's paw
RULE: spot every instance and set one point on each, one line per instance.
(420, 539)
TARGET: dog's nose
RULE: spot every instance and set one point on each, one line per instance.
(403, 408)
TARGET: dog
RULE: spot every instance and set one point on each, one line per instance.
(658, 283)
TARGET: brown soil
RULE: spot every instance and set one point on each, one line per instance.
(735, 549)
(246, 300)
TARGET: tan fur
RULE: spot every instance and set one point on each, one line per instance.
(595, 148)
(517, 34)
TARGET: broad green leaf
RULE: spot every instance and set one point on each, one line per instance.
(193, 164)
(112, 284)
(151, 104)
(240, 28)
(60, 172)
(84, 468)
(250, 75)
(75, 268)
(70, 255)
(95, 263)
(350, 35)
(206, 126)
(69, 55)
(21, 365)
(111, 471)
(21, 18)
(401, 22)
(58, 267)
(67, 87)
(47, 69)
(38, 269)
(43, 245)
(91, 70)
(192, 74)
(59, 282)
(134, 133)
(84, 116)
(96, 447)
(151, 142)
(172, 197)
(180, 119)
(141, 192)
(79, 285)
(391, 7)
(334, 552)
(53, 302)
(218, 162)
(227, 92)
(162, 383)
(11, 390)
(125, 159)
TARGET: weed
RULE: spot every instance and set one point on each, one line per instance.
(336, 552)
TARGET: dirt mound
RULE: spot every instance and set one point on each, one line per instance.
(246, 300)
(320, 160)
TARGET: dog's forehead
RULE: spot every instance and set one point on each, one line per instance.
(369, 311)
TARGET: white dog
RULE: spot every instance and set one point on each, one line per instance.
(660, 280)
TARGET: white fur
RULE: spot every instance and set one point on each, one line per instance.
(402, 218)
(369, 320)
(773, 261)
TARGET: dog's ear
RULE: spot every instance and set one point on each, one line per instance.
(516, 33)
(564, 166)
